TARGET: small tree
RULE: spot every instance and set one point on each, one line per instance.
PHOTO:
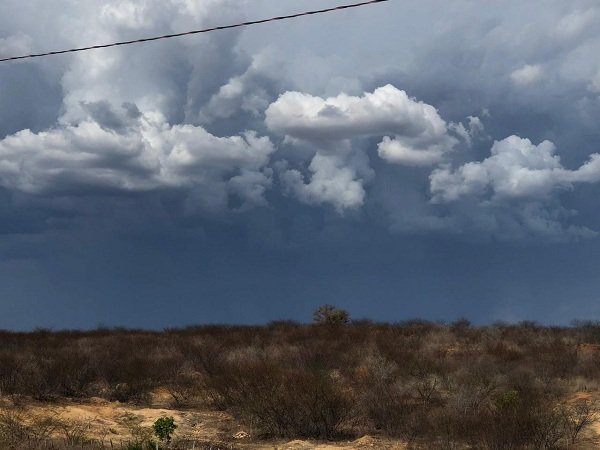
(164, 428)
(330, 315)
(577, 416)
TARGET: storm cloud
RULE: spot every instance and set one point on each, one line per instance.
(316, 148)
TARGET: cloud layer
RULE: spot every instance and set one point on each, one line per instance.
(206, 117)
(333, 158)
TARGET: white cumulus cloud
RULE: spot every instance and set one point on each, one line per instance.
(388, 111)
(140, 153)
(517, 168)
(412, 133)
(332, 182)
(513, 192)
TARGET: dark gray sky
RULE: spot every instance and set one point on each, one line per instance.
(415, 158)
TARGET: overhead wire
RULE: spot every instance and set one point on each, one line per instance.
(188, 33)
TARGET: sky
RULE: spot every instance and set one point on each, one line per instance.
(409, 159)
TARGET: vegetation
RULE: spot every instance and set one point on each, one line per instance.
(330, 315)
(447, 386)
(164, 428)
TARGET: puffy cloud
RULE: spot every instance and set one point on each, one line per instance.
(587, 173)
(516, 169)
(413, 134)
(512, 194)
(386, 111)
(170, 90)
(129, 151)
(129, 120)
(332, 182)
(177, 147)
(396, 151)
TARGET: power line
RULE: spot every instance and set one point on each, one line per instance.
(187, 33)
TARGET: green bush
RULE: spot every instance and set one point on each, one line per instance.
(164, 428)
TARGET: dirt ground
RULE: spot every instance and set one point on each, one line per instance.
(113, 422)
(108, 422)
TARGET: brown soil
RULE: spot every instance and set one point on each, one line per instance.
(107, 422)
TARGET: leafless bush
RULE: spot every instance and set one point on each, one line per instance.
(577, 415)
(20, 428)
(283, 401)
(74, 432)
(439, 386)
(139, 436)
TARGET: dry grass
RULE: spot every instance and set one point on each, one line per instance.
(419, 384)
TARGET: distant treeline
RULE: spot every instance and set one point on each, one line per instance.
(433, 385)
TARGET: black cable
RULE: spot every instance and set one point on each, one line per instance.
(187, 33)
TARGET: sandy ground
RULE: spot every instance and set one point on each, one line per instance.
(112, 421)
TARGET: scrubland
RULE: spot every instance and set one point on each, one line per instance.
(415, 384)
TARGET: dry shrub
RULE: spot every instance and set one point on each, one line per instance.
(184, 388)
(439, 386)
(283, 401)
(140, 437)
(21, 429)
(74, 433)
(577, 415)
(383, 401)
